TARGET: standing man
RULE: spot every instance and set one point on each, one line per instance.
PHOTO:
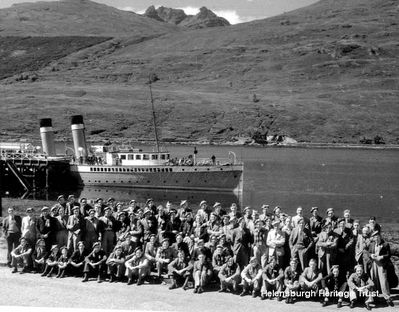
(299, 216)
(47, 226)
(345, 247)
(28, 227)
(327, 248)
(71, 202)
(242, 242)
(275, 242)
(315, 222)
(12, 232)
(265, 212)
(75, 228)
(108, 231)
(300, 242)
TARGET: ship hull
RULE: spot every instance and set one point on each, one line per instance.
(199, 178)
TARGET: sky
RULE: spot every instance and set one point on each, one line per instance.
(235, 11)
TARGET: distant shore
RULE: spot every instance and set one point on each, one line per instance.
(240, 142)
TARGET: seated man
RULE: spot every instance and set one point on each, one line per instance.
(202, 273)
(310, 278)
(164, 257)
(78, 260)
(94, 264)
(180, 244)
(334, 286)
(291, 281)
(218, 260)
(51, 262)
(272, 277)
(137, 267)
(116, 264)
(180, 270)
(251, 278)
(63, 262)
(229, 275)
(21, 255)
(360, 285)
(39, 256)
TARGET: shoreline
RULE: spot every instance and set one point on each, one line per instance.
(239, 143)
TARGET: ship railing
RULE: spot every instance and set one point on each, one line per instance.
(212, 161)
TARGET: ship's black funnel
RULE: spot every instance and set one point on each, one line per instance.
(45, 122)
(47, 136)
(76, 119)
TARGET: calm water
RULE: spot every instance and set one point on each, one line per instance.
(365, 181)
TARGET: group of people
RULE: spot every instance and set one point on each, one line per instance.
(268, 254)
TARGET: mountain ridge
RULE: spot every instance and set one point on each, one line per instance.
(325, 73)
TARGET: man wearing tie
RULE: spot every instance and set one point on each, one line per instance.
(300, 242)
(75, 228)
(12, 232)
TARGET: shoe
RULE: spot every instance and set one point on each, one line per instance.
(173, 286)
(58, 276)
(62, 275)
(15, 270)
(99, 279)
(200, 290)
(85, 278)
(368, 306)
(390, 303)
(243, 293)
(222, 290)
(279, 299)
(339, 304)
(352, 305)
(254, 294)
(195, 290)
(49, 275)
(324, 304)
(263, 297)
(111, 279)
(24, 270)
(139, 282)
(130, 281)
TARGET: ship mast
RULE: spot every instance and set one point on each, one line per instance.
(152, 78)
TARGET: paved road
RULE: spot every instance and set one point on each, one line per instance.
(33, 290)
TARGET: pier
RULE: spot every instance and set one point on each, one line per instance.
(27, 169)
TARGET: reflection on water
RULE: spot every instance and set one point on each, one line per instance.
(159, 196)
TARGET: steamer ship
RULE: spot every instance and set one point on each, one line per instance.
(125, 166)
(122, 166)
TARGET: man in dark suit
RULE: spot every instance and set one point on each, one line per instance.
(12, 232)
(47, 227)
(301, 240)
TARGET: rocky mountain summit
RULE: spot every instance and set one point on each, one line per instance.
(327, 73)
(204, 18)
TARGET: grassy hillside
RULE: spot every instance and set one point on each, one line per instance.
(75, 18)
(29, 54)
(325, 73)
